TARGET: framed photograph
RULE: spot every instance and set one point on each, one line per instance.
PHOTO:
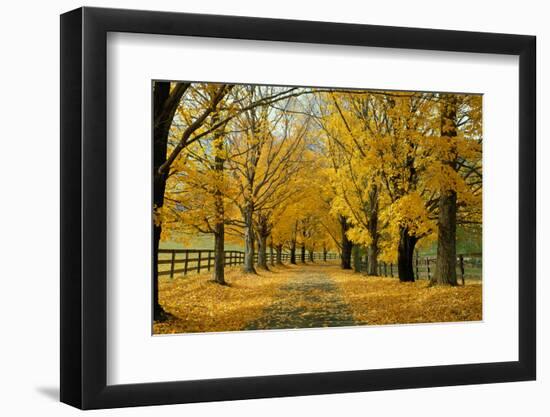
(258, 208)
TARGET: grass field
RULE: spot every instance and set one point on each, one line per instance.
(198, 242)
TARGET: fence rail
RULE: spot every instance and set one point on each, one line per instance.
(184, 261)
(468, 266)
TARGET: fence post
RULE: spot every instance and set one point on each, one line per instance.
(199, 263)
(210, 253)
(186, 262)
(391, 269)
(172, 264)
(428, 267)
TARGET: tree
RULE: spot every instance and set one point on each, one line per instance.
(293, 243)
(184, 115)
(268, 147)
(219, 207)
(196, 174)
(283, 234)
(263, 227)
(445, 267)
(386, 155)
(165, 104)
(351, 122)
(347, 245)
(408, 124)
(460, 163)
(197, 197)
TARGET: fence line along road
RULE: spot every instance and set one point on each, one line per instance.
(184, 261)
(468, 266)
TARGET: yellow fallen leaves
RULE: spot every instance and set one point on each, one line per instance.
(197, 304)
(380, 300)
(306, 296)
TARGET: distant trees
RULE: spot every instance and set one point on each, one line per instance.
(268, 151)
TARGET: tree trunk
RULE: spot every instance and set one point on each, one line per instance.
(248, 266)
(372, 260)
(293, 251)
(219, 254)
(356, 253)
(262, 252)
(219, 227)
(324, 253)
(405, 253)
(303, 253)
(346, 244)
(445, 266)
(263, 231)
(158, 312)
(311, 255)
(279, 251)
(164, 108)
(372, 250)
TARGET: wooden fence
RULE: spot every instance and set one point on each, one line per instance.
(184, 261)
(468, 266)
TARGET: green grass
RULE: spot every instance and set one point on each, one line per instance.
(199, 242)
(196, 242)
(468, 240)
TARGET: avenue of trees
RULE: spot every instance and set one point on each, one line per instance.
(298, 170)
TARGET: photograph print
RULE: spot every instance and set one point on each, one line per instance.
(291, 207)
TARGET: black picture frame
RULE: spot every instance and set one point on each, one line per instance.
(84, 207)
